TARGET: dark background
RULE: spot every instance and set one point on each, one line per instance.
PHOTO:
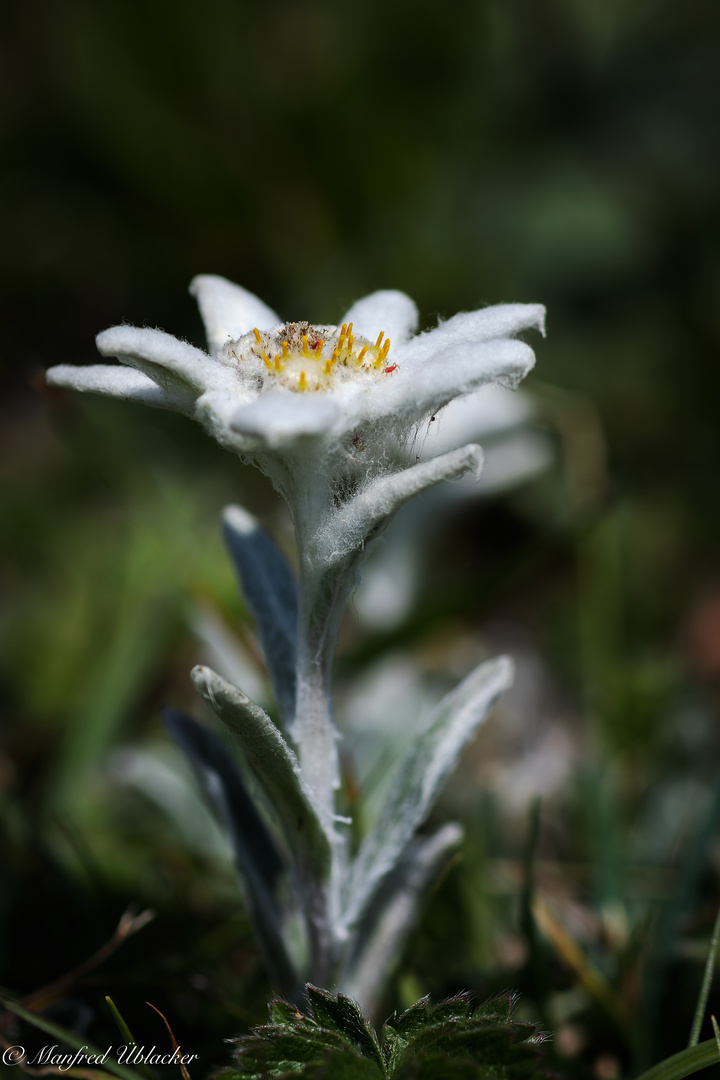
(562, 151)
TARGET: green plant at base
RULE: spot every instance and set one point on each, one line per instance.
(449, 1041)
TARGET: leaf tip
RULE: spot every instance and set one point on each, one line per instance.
(238, 520)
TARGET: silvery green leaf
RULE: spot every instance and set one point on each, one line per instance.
(256, 855)
(393, 914)
(268, 585)
(363, 517)
(434, 754)
(274, 764)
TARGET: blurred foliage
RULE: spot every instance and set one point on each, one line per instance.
(565, 151)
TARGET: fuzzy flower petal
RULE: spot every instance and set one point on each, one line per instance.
(475, 328)
(120, 382)
(452, 371)
(389, 311)
(276, 419)
(229, 311)
(158, 355)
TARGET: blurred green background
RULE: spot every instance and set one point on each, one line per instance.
(563, 151)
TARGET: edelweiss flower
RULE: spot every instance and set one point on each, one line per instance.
(335, 417)
(331, 414)
(346, 400)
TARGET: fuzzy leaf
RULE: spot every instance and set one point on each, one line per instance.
(334, 1064)
(282, 1012)
(448, 1041)
(393, 914)
(268, 585)
(273, 763)
(341, 1014)
(420, 777)
(452, 1036)
(334, 1042)
(364, 517)
(256, 854)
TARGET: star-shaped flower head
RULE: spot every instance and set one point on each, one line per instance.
(339, 406)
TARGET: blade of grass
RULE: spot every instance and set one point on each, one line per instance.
(658, 972)
(716, 1029)
(129, 1038)
(685, 1063)
(589, 976)
(537, 967)
(705, 985)
(68, 1037)
(173, 1040)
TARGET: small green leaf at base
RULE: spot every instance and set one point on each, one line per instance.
(453, 1040)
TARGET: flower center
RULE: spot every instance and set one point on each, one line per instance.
(300, 356)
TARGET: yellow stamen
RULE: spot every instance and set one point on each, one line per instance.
(268, 363)
(350, 326)
(278, 363)
(305, 346)
(350, 341)
(381, 335)
(330, 364)
(256, 332)
(302, 384)
(361, 356)
(284, 349)
(318, 348)
(382, 355)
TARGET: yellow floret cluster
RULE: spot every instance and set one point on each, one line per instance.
(305, 357)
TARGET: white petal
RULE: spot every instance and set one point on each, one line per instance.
(488, 324)
(214, 411)
(110, 379)
(140, 346)
(387, 310)
(415, 391)
(276, 418)
(180, 369)
(228, 310)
